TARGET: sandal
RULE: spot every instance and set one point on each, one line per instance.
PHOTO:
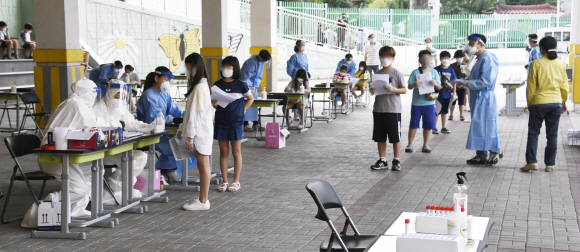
(223, 187)
(235, 187)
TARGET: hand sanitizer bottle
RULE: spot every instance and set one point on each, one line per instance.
(264, 94)
(460, 192)
(13, 88)
(160, 122)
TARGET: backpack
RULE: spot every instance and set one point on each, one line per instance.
(444, 81)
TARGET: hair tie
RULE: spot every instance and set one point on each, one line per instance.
(552, 50)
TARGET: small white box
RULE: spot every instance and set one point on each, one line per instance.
(45, 216)
(429, 242)
(431, 224)
(56, 216)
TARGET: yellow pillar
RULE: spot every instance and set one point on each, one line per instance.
(213, 59)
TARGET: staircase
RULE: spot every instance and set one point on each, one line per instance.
(19, 71)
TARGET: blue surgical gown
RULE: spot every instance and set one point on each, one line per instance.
(147, 110)
(483, 131)
(534, 55)
(351, 67)
(100, 75)
(252, 72)
(296, 62)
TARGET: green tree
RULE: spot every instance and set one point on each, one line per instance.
(390, 4)
(461, 7)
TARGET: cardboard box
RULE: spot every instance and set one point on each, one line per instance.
(45, 216)
(429, 242)
(275, 137)
(84, 140)
(56, 216)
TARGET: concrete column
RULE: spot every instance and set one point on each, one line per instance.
(58, 54)
(264, 37)
(574, 55)
(214, 36)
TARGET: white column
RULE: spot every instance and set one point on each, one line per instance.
(214, 35)
(263, 27)
(575, 13)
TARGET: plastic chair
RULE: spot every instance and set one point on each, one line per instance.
(29, 100)
(18, 146)
(325, 197)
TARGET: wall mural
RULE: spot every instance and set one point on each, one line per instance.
(178, 47)
(234, 42)
(119, 46)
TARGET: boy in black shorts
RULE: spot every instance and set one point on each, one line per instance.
(461, 89)
(387, 111)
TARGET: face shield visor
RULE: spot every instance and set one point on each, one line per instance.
(117, 94)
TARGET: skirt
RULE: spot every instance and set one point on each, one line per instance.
(228, 133)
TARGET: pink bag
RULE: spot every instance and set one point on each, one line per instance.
(141, 183)
(275, 138)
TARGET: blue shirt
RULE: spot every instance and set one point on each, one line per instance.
(233, 113)
(535, 54)
(351, 67)
(152, 101)
(252, 71)
(296, 62)
(420, 100)
(450, 74)
(99, 75)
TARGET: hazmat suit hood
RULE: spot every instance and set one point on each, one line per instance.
(111, 110)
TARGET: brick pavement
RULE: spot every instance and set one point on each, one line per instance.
(273, 212)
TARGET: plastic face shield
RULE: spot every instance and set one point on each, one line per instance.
(123, 93)
(98, 97)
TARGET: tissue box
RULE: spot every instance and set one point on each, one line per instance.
(89, 140)
(429, 242)
(45, 215)
(431, 224)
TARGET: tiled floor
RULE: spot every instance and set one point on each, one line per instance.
(533, 211)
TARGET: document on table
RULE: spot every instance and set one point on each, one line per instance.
(426, 86)
(380, 82)
(178, 149)
(129, 134)
(223, 98)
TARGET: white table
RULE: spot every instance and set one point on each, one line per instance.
(510, 108)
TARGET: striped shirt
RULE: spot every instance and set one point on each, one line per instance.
(372, 52)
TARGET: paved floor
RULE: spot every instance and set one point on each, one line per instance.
(273, 212)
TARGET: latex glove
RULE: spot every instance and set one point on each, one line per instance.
(189, 144)
(177, 120)
(179, 133)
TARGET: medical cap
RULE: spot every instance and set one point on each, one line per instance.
(83, 86)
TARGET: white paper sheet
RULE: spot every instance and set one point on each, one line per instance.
(426, 86)
(380, 82)
(178, 149)
(223, 98)
(129, 134)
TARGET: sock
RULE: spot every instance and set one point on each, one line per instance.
(384, 159)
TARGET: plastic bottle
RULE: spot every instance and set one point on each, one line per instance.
(407, 224)
(160, 122)
(13, 88)
(460, 191)
(263, 94)
(456, 221)
(301, 89)
(327, 83)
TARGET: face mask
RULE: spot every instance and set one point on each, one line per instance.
(299, 79)
(429, 45)
(386, 62)
(361, 69)
(117, 103)
(189, 73)
(425, 63)
(471, 50)
(445, 62)
(459, 60)
(374, 40)
(89, 98)
(165, 86)
(342, 74)
(4, 29)
(348, 61)
(28, 32)
(227, 73)
(303, 49)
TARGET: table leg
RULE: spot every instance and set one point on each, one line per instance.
(100, 183)
(130, 174)
(95, 189)
(18, 114)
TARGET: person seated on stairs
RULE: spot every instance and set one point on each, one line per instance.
(25, 41)
(7, 42)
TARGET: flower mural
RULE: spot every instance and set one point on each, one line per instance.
(119, 46)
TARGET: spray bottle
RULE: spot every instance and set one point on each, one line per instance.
(460, 192)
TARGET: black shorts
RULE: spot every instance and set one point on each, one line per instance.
(387, 125)
(442, 106)
(460, 97)
(2, 44)
(26, 45)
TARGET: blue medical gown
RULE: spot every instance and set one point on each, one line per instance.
(100, 75)
(351, 67)
(296, 62)
(483, 131)
(147, 110)
(535, 54)
(252, 72)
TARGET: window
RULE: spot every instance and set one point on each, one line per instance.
(566, 36)
(558, 36)
(548, 34)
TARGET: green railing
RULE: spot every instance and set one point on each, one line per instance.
(504, 31)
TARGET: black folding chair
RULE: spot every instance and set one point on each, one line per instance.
(18, 146)
(326, 198)
(30, 100)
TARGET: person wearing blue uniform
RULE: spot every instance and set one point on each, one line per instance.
(481, 83)
(297, 61)
(156, 98)
(534, 51)
(252, 72)
(351, 66)
(100, 75)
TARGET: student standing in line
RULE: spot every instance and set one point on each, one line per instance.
(387, 112)
(447, 74)
(229, 121)
(421, 107)
(547, 93)
(460, 92)
(372, 55)
(197, 127)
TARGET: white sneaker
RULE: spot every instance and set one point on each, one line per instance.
(195, 205)
(324, 112)
(296, 117)
(173, 177)
(343, 108)
(357, 101)
(137, 194)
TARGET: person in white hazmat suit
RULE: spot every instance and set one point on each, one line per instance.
(75, 113)
(111, 110)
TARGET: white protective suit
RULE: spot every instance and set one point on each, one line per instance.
(74, 113)
(111, 111)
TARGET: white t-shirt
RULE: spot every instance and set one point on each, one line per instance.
(372, 52)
